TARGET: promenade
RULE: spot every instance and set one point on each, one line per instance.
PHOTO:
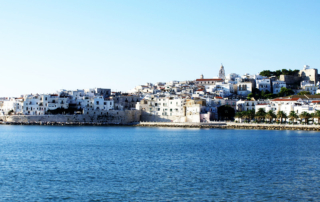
(232, 125)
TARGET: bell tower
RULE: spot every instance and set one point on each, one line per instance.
(221, 73)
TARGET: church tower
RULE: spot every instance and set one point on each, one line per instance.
(221, 73)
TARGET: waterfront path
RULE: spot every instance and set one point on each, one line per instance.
(232, 125)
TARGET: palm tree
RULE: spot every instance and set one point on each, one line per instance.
(293, 116)
(239, 115)
(317, 116)
(312, 116)
(305, 116)
(260, 114)
(245, 115)
(281, 115)
(270, 115)
(251, 114)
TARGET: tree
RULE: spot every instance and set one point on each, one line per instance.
(304, 93)
(317, 116)
(261, 113)
(250, 114)
(312, 116)
(305, 116)
(270, 115)
(277, 73)
(250, 95)
(285, 72)
(239, 115)
(226, 112)
(266, 73)
(10, 112)
(292, 116)
(281, 115)
(285, 92)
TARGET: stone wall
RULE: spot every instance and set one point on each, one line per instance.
(183, 125)
(194, 118)
(290, 79)
(259, 126)
(113, 117)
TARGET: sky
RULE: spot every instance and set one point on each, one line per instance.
(63, 44)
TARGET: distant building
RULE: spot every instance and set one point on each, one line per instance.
(277, 85)
(263, 85)
(222, 73)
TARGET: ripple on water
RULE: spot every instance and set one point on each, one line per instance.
(149, 164)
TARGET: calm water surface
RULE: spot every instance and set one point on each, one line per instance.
(43, 163)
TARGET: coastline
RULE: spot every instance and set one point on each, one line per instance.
(220, 125)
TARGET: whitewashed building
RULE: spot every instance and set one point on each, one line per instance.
(277, 85)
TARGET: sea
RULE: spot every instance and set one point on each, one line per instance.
(99, 163)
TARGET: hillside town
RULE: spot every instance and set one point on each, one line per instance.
(283, 95)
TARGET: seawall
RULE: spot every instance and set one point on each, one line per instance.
(258, 126)
(182, 125)
(228, 125)
(113, 117)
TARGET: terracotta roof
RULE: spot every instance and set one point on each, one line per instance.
(304, 97)
(316, 101)
(209, 80)
(286, 100)
(218, 97)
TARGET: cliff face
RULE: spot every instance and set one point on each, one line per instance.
(113, 117)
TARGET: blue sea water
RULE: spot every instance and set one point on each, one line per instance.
(56, 163)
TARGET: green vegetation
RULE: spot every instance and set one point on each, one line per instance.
(261, 114)
(281, 115)
(277, 73)
(226, 112)
(285, 92)
(10, 112)
(304, 93)
(306, 116)
(248, 115)
(270, 115)
(257, 94)
(293, 116)
(316, 115)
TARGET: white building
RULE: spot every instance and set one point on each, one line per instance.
(244, 88)
(245, 105)
(263, 85)
(221, 89)
(277, 85)
(11, 106)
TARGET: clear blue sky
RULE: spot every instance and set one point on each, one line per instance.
(51, 45)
